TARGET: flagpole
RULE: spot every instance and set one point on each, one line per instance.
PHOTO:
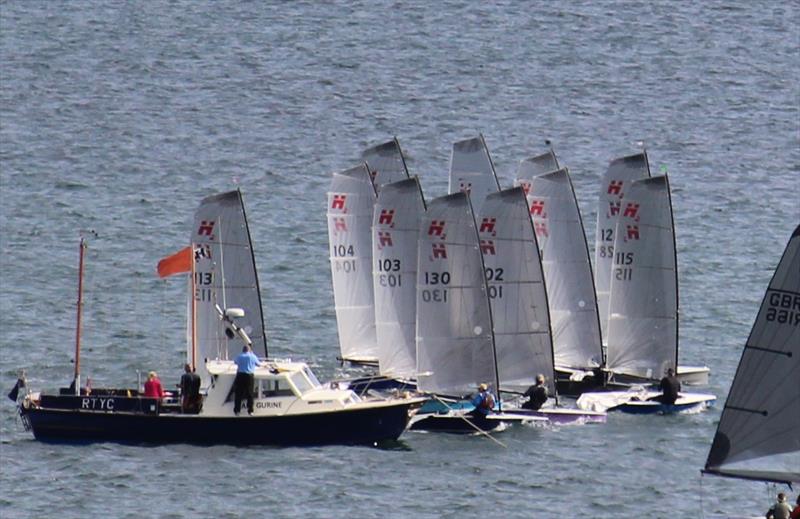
(193, 295)
(77, 377)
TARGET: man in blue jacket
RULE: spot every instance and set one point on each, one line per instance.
(246, 363)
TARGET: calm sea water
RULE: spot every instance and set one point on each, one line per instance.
(119, 117)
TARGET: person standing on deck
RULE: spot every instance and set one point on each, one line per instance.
(190, 390)
(246, 363)
(153, 387)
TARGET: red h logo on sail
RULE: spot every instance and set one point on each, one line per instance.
(631, 210)
(339, 224)
(541, 229)
(207, 228)
(633, 232)
(487, 247)
(436, 228)
(338, 202)
(439, 250)
(386, 217)
(487, 225)
(537, 208)
(615, 187)
(384, 239)
(613, 208)
(526, 186)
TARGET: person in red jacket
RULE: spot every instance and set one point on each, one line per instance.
(153, 388)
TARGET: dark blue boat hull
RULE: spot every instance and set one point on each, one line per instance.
(357, 426)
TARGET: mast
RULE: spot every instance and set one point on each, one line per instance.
(193, 310)
(77, 377)
(675, 254)
(255, 272)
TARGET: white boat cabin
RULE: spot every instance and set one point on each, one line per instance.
(281, 387)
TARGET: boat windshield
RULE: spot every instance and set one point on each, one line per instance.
(301, 382)
(310, 375)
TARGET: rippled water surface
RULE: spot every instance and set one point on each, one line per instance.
(119, 117)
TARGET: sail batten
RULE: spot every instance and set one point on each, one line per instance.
(757, 433)
(351, 200)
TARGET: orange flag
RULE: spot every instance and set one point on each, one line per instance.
(178, 263)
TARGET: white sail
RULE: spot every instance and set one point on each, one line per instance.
(472, 171)
(395, 232)
(224, 276)
(386, 163)
(643, 304)
(455, 346)
(567, 269)
(350, 205)
(538, 165)
(517, 292)
(758, 436)
(618, 177)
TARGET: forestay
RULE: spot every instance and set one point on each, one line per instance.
(567, 269)
(618, 177)
(455, 345)
(643, 305)
(386, 163)
(350, 206)
(757, 437)
(472, 171)
(516, 291)
(395, 231)
(224, 276)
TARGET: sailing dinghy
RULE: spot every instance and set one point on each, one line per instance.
(643, 304)
(758, 434)
(614, 205)
(291, 406)
(519, 303)
(455, 337)
(351, 200)
(560, 233)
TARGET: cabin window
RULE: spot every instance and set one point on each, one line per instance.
(268, 388)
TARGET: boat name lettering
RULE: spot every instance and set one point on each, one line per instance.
(784, 308)
(106, 404)
(268, 405)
